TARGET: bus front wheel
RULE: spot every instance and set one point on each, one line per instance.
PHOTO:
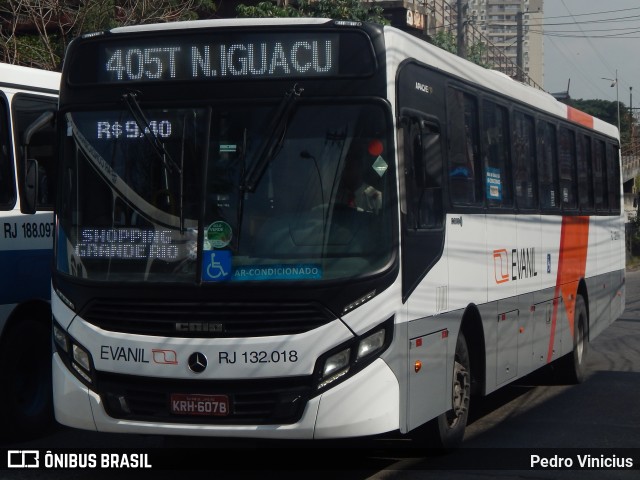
(446, 431)
(26, 404)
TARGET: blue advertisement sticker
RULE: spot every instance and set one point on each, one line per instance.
(216, 265)
(494, 184)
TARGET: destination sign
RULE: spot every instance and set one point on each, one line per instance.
(215, 56)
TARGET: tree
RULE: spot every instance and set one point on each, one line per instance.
(446, 40)
(337, 9)
(608, 111)
(36, 32)
(476, 52)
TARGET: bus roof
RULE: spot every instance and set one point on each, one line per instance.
(221, 23)
(404, 45)
(27, 78)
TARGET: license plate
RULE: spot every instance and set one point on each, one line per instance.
(194, 404)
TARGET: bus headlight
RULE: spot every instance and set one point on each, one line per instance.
(336, 366)
(74, 356)
(60, 338)
(371, 344)
(82, 357)
(352, 356)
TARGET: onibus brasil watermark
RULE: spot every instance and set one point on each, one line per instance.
(71, 460)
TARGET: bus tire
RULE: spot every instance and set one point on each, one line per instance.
(572, 366)
(446, 432)
(26, 404)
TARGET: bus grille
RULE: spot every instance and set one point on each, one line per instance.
(255, 402)
(205, 319)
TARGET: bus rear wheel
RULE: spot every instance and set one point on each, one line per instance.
(571, 367)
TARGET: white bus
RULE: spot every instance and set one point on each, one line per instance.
(28, 100)
(316, 229)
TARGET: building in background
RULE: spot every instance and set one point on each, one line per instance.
(491, 23)
(497, 20)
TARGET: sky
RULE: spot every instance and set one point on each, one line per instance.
(586, 41)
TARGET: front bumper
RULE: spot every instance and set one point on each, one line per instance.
(365, 404)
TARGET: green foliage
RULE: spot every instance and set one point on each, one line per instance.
(53, 23)
(267, 10)
(604, 110)
(476, 53)
(446, 40)
(31, 51)
(336, 9)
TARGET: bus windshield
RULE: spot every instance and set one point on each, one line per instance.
(159, 194)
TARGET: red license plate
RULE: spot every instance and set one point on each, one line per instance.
(194, 404)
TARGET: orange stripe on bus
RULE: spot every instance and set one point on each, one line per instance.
(572, 264)
(580, 117)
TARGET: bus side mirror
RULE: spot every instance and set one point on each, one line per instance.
(30, 187)
(31, 168)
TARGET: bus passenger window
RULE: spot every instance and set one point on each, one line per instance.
(585, 188)
(613, 177)
(496, 148)
(600, 177)
(547, 166)
(524, 161)
(567, 168)
(464, 159)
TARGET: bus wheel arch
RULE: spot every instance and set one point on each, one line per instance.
(473, 332)
(446, 431)
(26, 407)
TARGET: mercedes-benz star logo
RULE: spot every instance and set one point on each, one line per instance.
(197, 362)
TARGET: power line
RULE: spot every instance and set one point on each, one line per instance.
(597, 52)
(594, 13)
(602, 20)
(622, 36)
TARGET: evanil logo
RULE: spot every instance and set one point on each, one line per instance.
(515, 265)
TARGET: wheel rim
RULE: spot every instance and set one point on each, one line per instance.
(461, 394)
(580, 340)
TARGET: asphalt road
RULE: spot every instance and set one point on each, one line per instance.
(600, 417)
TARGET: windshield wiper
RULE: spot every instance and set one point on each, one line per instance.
(169, 164)
(273, 140)
(132, 104)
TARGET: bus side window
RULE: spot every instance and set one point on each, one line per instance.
(585, 187)
(35, 133)
(567, 168)
(464, 159)
(524, 159)
(424, 176)
(600, 177)
(613, 177)
(496, 149)
(547, 166)
(7, 185)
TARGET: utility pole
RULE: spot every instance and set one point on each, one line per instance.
(460, 37)
(631, 125)
(519, 46)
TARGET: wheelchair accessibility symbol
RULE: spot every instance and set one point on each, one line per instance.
(216, 265)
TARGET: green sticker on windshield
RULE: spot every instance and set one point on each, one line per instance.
(218, 234)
